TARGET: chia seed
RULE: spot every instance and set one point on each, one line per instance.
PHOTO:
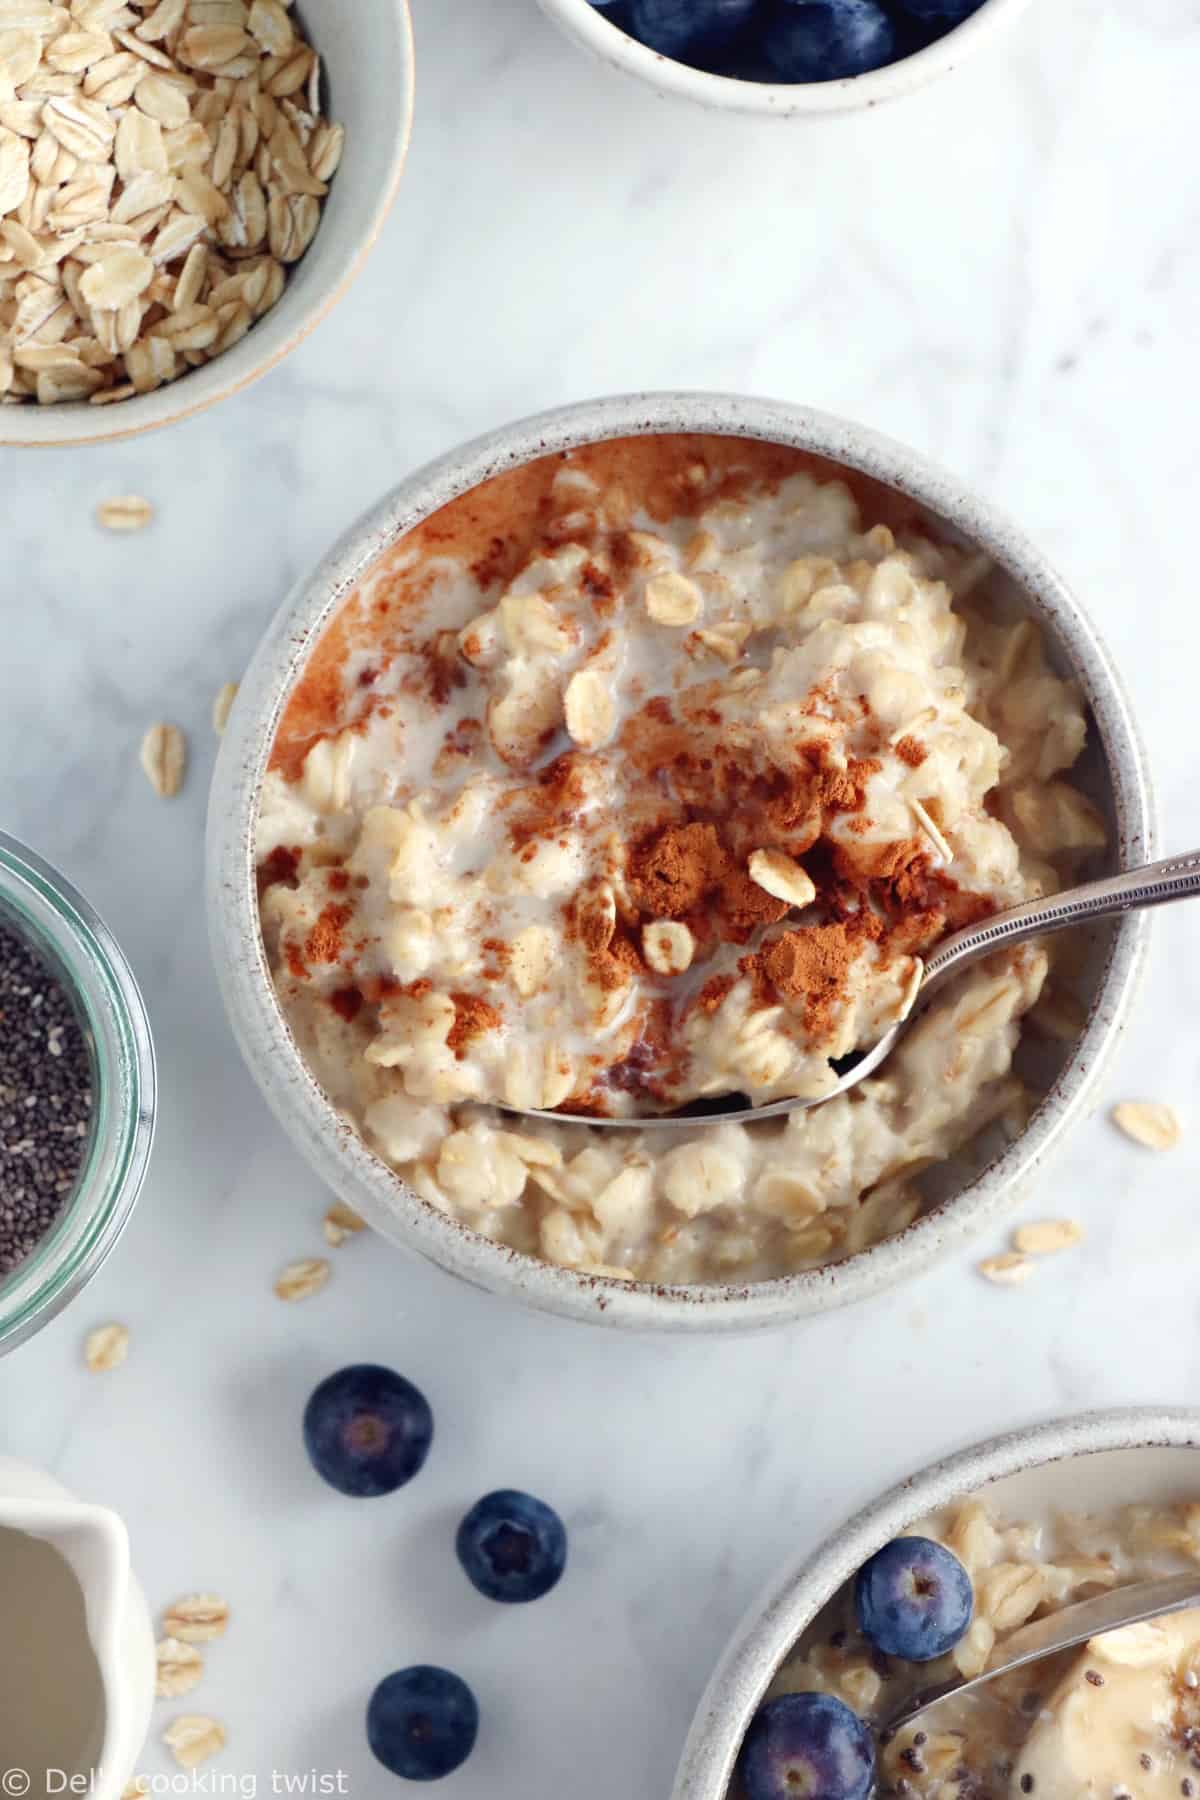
(45, 1099)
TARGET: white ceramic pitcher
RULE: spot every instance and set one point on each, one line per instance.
(76, 1647)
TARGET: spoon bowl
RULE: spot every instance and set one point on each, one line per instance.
(1155, 884)
(1065, 1629)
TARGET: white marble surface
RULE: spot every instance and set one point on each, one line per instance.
(1001, 270)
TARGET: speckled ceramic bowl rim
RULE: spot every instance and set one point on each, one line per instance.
(270, 1051)
(812, 99)
(75, 425)
(794, 1599)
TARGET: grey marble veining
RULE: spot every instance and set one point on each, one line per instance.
(1001, 270)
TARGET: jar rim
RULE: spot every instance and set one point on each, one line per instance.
(38, 901)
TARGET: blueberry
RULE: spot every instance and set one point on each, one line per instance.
(690, 28)
(913, 1599)
(512, 1546)
(807, 1745)
(367, 1430)
(422, 1722)
(939, 12)
(827, 40)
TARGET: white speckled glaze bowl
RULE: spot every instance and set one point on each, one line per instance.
(1093, 1462)
(969, 1198)
(779, 99)
(367, 53)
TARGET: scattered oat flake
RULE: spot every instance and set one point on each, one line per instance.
(1008, 1270)
(137, 1789)
(164, 759)
(180, 1667)
(125, 512)
(106, 1347)
(196, 1619)
(193, 1738)
(341, 1222)
(300, 1279)
(1148, 1122)
(1046, 1236)
(221, 706)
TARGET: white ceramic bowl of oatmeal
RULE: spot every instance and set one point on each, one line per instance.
(1040, 1518)
(588, 27)
(246, 239)
(698, 739)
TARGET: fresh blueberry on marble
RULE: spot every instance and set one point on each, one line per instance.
(512, 1546)
(807, 1744)
(690, 29)
(913, 1599)
(422, 1722)
(367, 1430)
(827, 40)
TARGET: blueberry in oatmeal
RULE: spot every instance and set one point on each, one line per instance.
(690, 28)
(422, 1723)
(827, 40)
(512, 1546)
(914, 1599)
(367, 1430)
(807, 1747)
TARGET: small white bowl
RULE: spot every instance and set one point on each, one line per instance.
(367, 53)
(723, 93)
(1092, 1463)
(968, 1200)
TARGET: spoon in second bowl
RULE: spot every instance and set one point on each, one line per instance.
(1154, 884)
(1070, 1626)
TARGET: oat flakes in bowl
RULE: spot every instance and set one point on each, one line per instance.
(1039, 1519)
(648, 746)
(177, 204)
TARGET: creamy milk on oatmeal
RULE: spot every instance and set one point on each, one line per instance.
(644, 774)
(1118, 1719)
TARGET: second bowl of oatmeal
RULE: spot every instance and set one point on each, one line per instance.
(631, 756)
(1038, 1519)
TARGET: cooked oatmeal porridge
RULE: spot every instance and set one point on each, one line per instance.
(1118, 1719)
(644, 774)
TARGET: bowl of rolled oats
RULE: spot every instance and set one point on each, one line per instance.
(186, 188)
(1039, 1520)
(625, 761)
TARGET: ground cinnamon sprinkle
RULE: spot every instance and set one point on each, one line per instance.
(670, 872)
(498, 955)
(612, 963)
(324, 943)
(346, 1003)
(811, 964)
(898, 863)
(279, 868)
(713, 992)
(743, 906)
(553, 804)
(472, 1017)
(912, 751)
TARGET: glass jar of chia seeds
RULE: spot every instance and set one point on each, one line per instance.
(98, 1078)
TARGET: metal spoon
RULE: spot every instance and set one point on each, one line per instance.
(1153, 885)
(1062, 1630)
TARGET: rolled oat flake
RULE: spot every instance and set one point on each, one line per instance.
(45, 1098)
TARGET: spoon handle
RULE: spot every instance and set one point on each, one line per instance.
(1152, 885)
(1062, 1630)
